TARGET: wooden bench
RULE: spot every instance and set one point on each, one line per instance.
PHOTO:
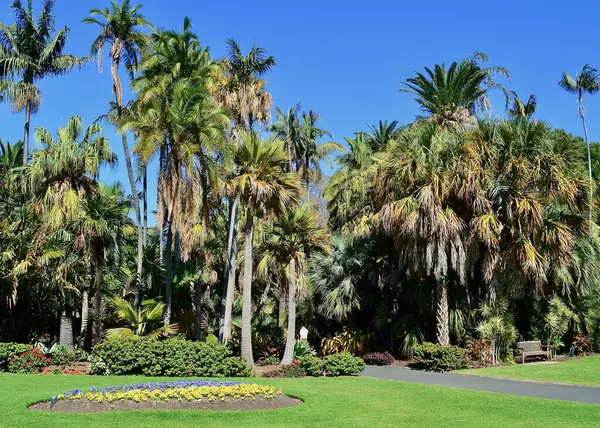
(533, 348)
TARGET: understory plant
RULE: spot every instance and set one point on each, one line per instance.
(30, 361)
(355, 342)
(378, 358)
(497, 331)
(343, 364)
(438, 358)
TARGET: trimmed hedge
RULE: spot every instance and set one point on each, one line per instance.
(9, 350)
(170, 357)
(344, 364)
(313, 366)
(432, 357)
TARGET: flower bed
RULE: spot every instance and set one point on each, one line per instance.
(181, 394)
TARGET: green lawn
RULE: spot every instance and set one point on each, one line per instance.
(584, 371)
(328, 403)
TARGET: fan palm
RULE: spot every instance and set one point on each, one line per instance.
(101, 229)
(243, 93)
(121, 27)
(585, 82)
(448, 94)
(293, 238)
(144, 321)
(30, 51)
(63, 171)
(262, 184)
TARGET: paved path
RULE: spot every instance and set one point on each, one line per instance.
(581, 394)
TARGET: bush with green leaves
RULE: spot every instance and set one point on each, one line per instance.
(343, 364)
(312, 365)
(438, 358)
(9, 350)
(302, 348)
(170, 357)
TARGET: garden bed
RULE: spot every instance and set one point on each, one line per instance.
(172, 395)
(87, 406)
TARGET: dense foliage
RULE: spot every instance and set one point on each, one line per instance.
(378, 358)
(171, 357)
(438, 358)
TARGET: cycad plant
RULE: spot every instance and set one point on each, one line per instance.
(144, 321)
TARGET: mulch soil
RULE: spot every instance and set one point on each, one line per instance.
(85, 406)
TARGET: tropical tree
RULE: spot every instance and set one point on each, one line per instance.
(287, 128)
(101, 230)
(243, 93)
(144, 321)
(29, 51)
(121, 27)
(381, 134)
(262, 184)
(585, 82)
(521, 109)
(293, 238)
(448, 94)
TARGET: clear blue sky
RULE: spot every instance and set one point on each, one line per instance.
(344, 59)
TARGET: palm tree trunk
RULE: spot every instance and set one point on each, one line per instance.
(290, 342)
(589, 159)
(145, 202)
(168, 270)
(247, 291)
(442, 322)
(281, 311)
(203, 234)
(66, 330)
(85, 308)
(97, 329)
(230, 272)
(26, 133)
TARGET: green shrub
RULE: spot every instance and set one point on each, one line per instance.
(64, 356)
(429, 356)
(313, 366)
(170, 357)
(344, 364)
(9, 350)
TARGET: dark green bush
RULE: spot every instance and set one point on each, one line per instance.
(429, 356)
(63, 356)
(9, 350)
(287, 371)
(313, 366)
(344, 364)
(171, 357)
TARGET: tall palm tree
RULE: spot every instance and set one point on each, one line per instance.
(448, 94)
(243, 93)
(101, 228)
(521, 109)
(29, 51)
(287, 128)
(121, 27)
(265, 188)
(585, 82)
(294, 237)
(63, 171)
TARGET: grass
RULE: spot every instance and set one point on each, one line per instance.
(584, 371)
(344, 402)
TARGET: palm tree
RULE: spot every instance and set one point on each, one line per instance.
(30, 51)
(294, 237)
(287, 129)
(121, 27)
(334, 277)
(450, 94)
(586, 82)
(381, 134)
(521, 109)
(144, 321)
(63, 171)
(243, 93)
(265, 188)
(101, 228)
